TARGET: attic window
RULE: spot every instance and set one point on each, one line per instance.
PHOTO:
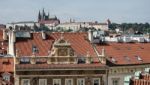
(138, 58)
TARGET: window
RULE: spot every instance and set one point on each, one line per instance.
(24, 60)
(6, 76)
(137, 74)
(147, 70)
(62, 52)
(69, 82)
(34, 49)
(56, 81)
(81, 81)
(42, 81)
(127, 80)
(115, 81)
(96, 81)
(81, 60)
(25, 82)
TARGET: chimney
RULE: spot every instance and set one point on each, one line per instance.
(12, 39)
(43, 35)
(90, 35)
(4, 34)
(14, 36)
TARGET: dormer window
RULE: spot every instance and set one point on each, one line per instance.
(34, 49)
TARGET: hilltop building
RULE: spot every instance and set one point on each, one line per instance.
(47, 20)
(77, 26)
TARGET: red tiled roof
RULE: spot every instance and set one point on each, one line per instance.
(122, 53)
(118, 51)
(6, 64)
(78, 41)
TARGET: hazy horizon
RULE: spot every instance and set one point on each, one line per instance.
(118, 11)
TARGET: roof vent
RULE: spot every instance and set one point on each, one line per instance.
(127, 58)
(113, 59)
(138, 58)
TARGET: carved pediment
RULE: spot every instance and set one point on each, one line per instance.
(62, 47)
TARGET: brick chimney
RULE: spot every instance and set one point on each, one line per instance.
(12, 40)
(43, 35)
(90, 35)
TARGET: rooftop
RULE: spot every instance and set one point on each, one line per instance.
(126, 53)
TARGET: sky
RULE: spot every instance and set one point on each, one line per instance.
(118, 11)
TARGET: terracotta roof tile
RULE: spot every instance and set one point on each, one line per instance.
(118, 51)
(25, 46)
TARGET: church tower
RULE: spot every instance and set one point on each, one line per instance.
(43, 15)
(39, 16)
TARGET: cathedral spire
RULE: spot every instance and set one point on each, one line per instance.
(43, 17)
(39, 16)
